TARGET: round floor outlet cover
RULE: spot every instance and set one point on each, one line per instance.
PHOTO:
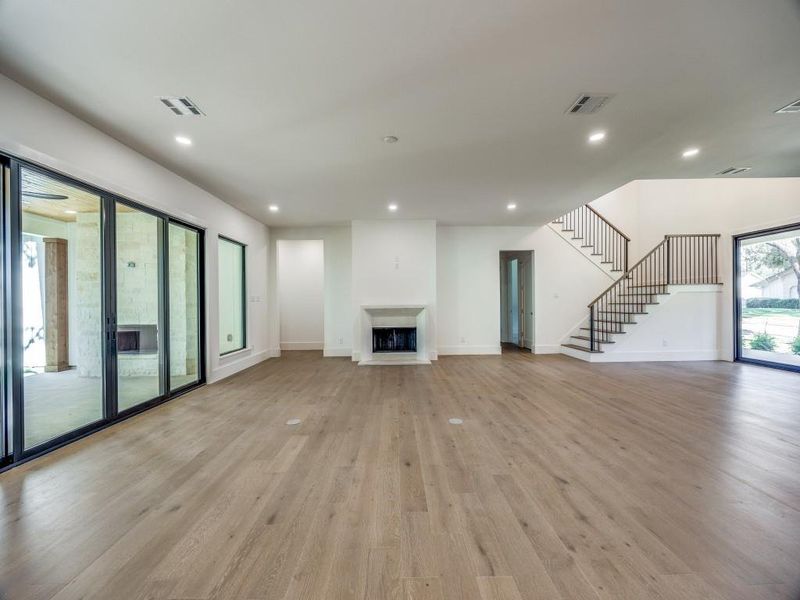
(455, 421)
(293, 422)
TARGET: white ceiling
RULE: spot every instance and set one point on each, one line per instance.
(299, 95)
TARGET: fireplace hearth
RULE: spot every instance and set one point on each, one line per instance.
(394, 339)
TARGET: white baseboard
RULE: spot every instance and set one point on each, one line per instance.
(233, 367)
(302, 345)
(356, 356)
(547, 349)
(466, 350)
(646, 356)
(274, 352)
(337, 351)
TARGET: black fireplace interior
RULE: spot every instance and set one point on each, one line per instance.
(128, 341)
(394, 339)
(137, 339)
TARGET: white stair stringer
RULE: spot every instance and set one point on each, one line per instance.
(682, 326)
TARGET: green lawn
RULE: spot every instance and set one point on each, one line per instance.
(780, 323)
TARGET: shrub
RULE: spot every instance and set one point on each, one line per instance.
(773, 303)
(763, 341)
(796, 345)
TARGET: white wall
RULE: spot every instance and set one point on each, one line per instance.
(395, 262)
(301, 297)
(338, 318)
(37, 130)
(725, 206)
(468, 286)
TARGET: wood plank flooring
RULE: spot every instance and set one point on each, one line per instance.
(566, 480)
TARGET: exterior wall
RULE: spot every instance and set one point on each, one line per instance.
(37, 130)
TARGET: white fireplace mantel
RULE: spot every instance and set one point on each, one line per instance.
(393, 315)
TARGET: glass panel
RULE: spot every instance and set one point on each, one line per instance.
(5, 429)
(184, 306)
(231, 296)
(62, 310)
(769, 298)
(138, 306)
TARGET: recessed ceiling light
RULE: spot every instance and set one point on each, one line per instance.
(390, 139)
(71, 212)
(690, 152)
(392, 207)
(511, 206)
(183, 140)
(273, 208)
(597, 136)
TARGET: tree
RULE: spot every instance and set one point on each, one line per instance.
(773, 257)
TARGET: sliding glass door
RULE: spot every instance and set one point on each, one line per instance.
(6, 440)
(103, 310)
(140, 306)
(184, 306)
(768, 297)
(61, 272)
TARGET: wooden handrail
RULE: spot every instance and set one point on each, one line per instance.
(607, 222)
(679, 259)
(626, 273)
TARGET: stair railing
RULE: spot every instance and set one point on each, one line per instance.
(682, 259)
(598, 233)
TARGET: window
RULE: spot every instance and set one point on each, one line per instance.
(105, 298)
(767, 304)
(232, 294)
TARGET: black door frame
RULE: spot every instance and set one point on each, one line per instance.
(11, 221)
(737, 304)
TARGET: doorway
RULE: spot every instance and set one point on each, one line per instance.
(301, 291)
(517, 300)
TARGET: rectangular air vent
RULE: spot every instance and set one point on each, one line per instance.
(181, 106)
(733, 170)
(794, 107)
(588, 104)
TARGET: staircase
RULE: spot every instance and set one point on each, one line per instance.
(685, 259)
(596, 236)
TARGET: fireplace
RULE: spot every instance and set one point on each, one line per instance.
(128, 341)
(394, 339)
(137, 339)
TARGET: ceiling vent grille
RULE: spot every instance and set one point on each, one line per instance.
(181, 106)
(733, 170)
(794, 107)
(588, 104)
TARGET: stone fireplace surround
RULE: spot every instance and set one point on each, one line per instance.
(400, 315)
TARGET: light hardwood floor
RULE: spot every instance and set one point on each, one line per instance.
(566, 480)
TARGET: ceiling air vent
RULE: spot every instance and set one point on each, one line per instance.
(733, 170)
(588, 104)
(794, 107)
(181, 106)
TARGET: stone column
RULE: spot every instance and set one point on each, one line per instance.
(56, 318)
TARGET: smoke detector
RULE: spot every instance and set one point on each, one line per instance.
(181, 106)
(794, 107)
(733, 170)
(588, 104)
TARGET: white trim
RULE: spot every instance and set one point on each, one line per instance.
(645, 356)
(613, 276)
(302, 345)
(233, 367)
(547, 349)
(468, 350)
(337, 351)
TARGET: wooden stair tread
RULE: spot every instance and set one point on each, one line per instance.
(588, 339)
(582, 348)
(604, 331)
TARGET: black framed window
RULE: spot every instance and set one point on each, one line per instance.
(103, 309)
(232, 296)
(767, 303)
